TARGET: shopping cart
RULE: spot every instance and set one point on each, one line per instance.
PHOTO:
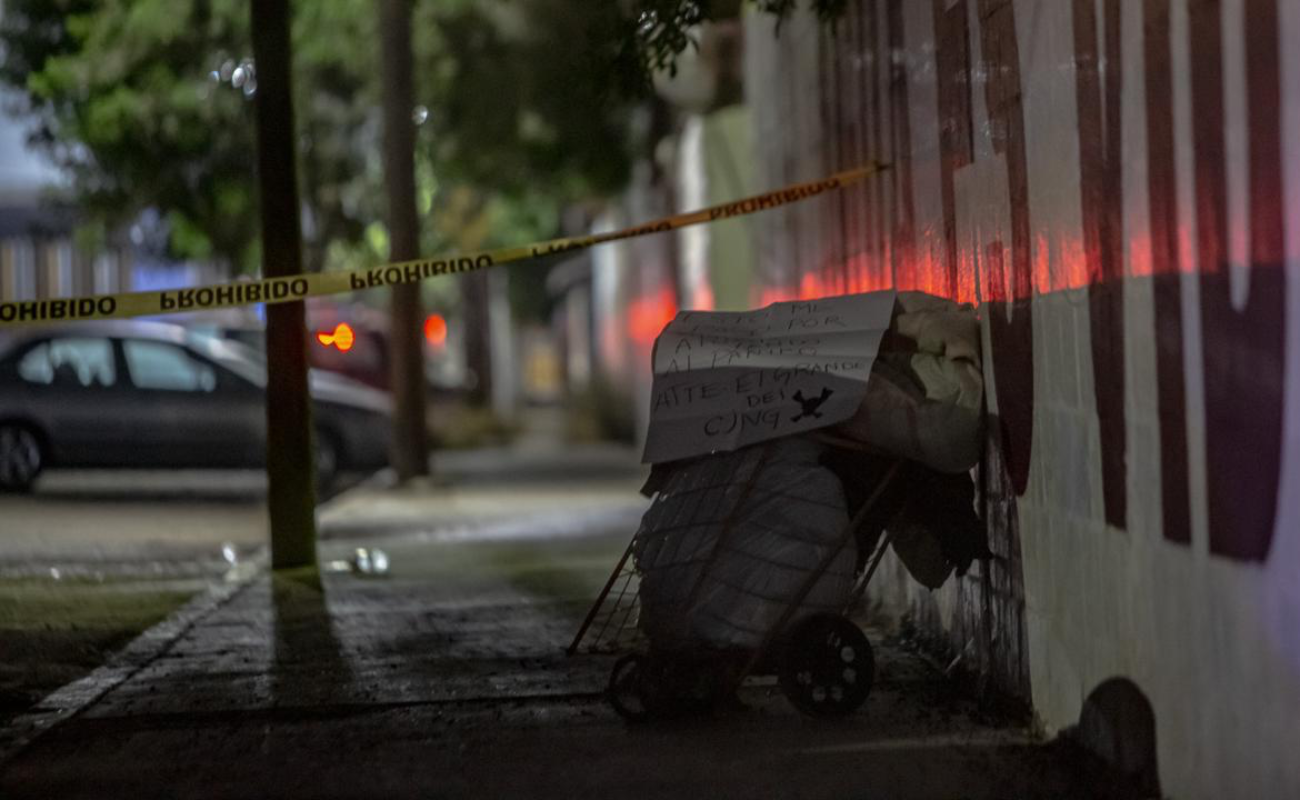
(823, 661)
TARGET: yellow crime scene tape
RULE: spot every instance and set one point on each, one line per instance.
(317, 284)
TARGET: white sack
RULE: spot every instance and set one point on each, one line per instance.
(768, 542)
(926, 405)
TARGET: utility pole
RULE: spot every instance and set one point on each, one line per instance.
(476, 300)
(410, 454)
(290, 466)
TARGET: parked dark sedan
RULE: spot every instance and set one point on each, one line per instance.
(139, 394)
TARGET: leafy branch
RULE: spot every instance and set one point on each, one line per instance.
(651, 34)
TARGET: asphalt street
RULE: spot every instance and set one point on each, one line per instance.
(183, 520)
(127, 520)
(143, 521)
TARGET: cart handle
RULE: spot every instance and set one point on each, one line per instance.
(861, 587)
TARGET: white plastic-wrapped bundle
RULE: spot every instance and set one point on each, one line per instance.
(926, 403)
(732, 538)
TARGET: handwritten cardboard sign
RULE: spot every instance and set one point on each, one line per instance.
(723, 380)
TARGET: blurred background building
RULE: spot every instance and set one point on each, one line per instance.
(38, 256)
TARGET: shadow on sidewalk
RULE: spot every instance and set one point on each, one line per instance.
(309, 670)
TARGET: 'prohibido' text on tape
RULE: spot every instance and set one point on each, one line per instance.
(299, 287)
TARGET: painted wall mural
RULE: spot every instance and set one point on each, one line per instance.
(1244, 347)
(1108, 180)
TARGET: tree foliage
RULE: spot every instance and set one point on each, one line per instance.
(124, 104)
(526, 106)
(147, 104)
(649, 35)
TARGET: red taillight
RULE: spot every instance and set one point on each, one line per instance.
(343, 338)
(435, 330)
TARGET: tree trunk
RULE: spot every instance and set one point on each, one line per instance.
(474, 297)
(410, 446)
(290, 467)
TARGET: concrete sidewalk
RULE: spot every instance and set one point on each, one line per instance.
(447, 679)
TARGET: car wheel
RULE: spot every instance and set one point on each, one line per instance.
(21, 458)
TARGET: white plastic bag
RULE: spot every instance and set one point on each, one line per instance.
(732, 538)
(926, 403)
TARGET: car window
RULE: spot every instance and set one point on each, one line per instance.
(157, 365)
(245, 362)
(70, 362)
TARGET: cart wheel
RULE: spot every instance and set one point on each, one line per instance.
(627, 688)
(828, 667)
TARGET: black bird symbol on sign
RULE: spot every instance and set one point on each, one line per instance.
(810, 406)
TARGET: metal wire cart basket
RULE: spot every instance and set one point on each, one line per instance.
(746, 562)
(848, 417)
